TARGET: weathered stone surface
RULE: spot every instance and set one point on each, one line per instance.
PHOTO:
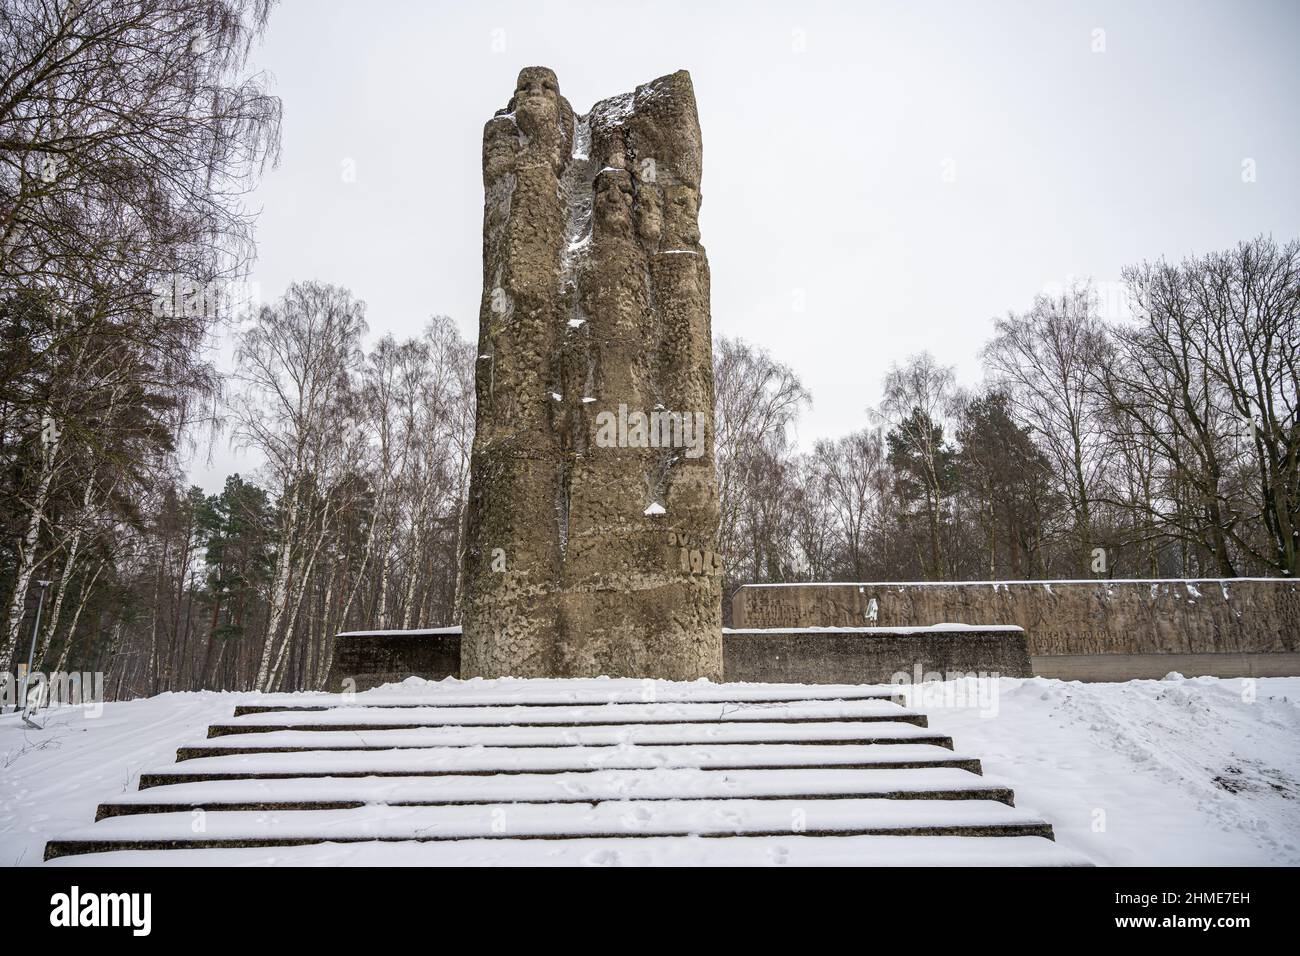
(365, 660)
(1060, 617)
(1121, 667)
(591, 543)
(802, 656)
(873, 656)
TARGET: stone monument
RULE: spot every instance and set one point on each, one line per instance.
(590, 539)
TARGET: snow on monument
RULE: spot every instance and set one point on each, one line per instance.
(590, 543)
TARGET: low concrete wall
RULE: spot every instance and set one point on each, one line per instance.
(871, 655)
(371, 658)
(1122, 667)
(816, 656)
(1062, 618)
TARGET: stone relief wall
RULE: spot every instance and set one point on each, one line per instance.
(1249, 615)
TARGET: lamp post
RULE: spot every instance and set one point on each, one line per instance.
(31, 652)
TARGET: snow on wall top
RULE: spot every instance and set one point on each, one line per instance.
(929, 628)
(1011, 583)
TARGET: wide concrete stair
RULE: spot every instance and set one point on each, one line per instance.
(568, 772)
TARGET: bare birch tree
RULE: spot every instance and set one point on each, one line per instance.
(297, 361)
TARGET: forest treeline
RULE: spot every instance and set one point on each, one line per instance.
(1161, 443)
(1164, 443)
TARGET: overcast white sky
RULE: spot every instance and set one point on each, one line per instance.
(1077, 137)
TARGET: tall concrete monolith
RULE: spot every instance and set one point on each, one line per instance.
(590, 544)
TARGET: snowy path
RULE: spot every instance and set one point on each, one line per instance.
(51, 780)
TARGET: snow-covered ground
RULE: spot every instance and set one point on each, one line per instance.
(1199, 771)
(52, 780)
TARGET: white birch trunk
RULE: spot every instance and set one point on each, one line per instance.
(279, 592)
(27, 559)
(86, 590)
(65, 578)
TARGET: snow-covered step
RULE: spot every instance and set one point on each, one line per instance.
(553, 772)
(504, 692)
(611, 819)
(434, 761)
(593, 735)
(891, 851)
(365, 718)
(936, 783)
